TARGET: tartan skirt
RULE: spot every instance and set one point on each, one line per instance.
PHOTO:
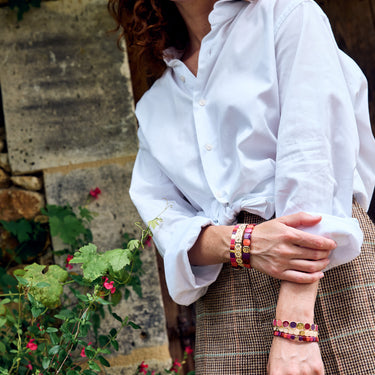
(234, 318)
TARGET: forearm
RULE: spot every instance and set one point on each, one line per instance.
(296, 302)
(212, 246)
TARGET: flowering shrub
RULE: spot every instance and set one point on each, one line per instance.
(44, 330)
(174, 369)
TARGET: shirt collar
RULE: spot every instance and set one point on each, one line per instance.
(224, 10)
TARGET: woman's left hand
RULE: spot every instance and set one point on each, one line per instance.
(294, 358)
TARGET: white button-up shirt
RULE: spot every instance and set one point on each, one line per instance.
(275, 122)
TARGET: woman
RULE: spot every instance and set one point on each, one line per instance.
(257, 114)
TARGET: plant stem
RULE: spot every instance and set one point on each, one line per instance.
(75, 337)
(16, 361)
(9, 294)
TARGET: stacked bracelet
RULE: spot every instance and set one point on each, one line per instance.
(295, 331)
(240, 245)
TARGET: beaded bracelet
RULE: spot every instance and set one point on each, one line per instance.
(240, 245)
(295, 331)
(301, 326)
(296, 337)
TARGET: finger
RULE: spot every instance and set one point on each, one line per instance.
(309, 254)
(309, 266)
(301, 277)
(299, 219)
(311, 241)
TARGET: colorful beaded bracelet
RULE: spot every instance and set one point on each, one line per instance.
(301, 326)
(296, 331)
(240, 245)
(296, 337)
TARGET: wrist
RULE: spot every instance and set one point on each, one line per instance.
(296, 302)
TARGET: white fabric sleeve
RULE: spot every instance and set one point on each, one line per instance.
(155, 195)
(318, 141)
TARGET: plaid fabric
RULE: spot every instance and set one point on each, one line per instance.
(234, 332)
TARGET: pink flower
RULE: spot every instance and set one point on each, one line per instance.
(109, 285)
(68, 259)
(83, 354)
(31, 345)
(95, 192)
(148, 241)
(29, 366)
(175, 363)
(189, 350)
(142, 368)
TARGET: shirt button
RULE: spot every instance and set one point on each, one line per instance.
(208, 147)
(202, 102)
(182, 78)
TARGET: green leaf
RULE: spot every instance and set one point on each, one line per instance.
(35, 275)
(65, 315)
(113, 332)
(36, 311)
(42, 285)
(133, 325)
(2, 347)
(45, 362)
(117, 258)
(89, 372)
(94, 366)
(21, 229)
(54, 350)
(2, 321)
(89, 352)
(4, 301)
(51, 329)
(21, 280)
(114, 343)
(94, 264)
(134, 244)
(54, 338)
(85, 213)
(103, 361)
(117, 317)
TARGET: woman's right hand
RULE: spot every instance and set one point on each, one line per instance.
(280, 250)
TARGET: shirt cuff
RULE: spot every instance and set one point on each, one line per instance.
(187, 283)
(347, 234)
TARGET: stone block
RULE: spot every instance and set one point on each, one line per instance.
(116, 216)
(4, 162)
(17, 203)
(28, 182)
(65, 86)
(4, 179)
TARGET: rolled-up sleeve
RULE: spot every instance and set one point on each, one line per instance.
(318, 141)
(155, 195)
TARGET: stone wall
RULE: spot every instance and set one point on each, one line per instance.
(69, 126)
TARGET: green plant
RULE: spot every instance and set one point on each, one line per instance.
(47, 313)
(43, 330)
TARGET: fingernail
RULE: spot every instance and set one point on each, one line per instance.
(321, 275)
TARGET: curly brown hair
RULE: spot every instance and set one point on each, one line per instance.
(149, 27)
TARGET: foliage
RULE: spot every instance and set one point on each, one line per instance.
(32, 237)
(39, 334)
(44, 326)
(22, 6)
(72, 228)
